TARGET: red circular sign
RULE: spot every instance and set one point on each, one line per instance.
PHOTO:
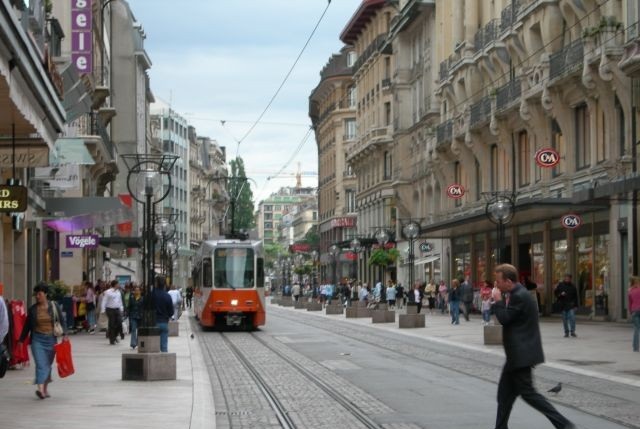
(547, 157)
(571, 221)
(455, 191)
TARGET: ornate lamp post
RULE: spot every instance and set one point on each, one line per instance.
(500, 209)
(356, 247)
(149, 182)
(411, 232)
(334, 251)
(165, 228)
(382, 237)
(314, 282)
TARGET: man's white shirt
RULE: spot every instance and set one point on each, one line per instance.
(112, 299)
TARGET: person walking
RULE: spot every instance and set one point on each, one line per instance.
(416, 296)
(567, 297)
(391, 295)
(163, 306)
(90, 302)
(430, 292)
(634, 309)
(41, 318)
(113, 306)
(295, 291)
(135, 310)
(443, 292)
(454, 302)
(189, 296)
(518, 314)
(466, 296)
(176, 300)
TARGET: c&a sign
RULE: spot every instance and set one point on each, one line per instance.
(82, 241)
(13, 199)
(547, 157)
(455, 191)
(571, 221)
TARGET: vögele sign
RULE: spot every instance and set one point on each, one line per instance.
(82, 241)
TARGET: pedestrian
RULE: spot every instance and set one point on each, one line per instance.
(41, 319)
(517, 312)
(634, 309)
(416, 296)
(295, 291)
(400, 296)
(189, 296)
(135, 311)
(454, 302)
(567, 298)
(163, 306)
(112, 305)
(176, 300)
(443, 292)
(364, 293)
(391, 294)
(466, 296)
(90, 302)
(430, 292)
(486, 306)
(4, 316)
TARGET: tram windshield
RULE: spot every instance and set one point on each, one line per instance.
(233, 268)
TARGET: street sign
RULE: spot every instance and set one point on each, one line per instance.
(13, 199)
(67, 254)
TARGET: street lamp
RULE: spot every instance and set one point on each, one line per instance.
(314, 255)
(165, 228)
(149, 182)
(356, 247)
(411, 232)
(334, 251)
(500, 209)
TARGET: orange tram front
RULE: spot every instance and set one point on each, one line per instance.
(228, 283)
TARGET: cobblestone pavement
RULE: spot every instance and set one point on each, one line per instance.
(240, 403)
(603, 398)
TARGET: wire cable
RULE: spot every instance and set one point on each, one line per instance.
(284, 80)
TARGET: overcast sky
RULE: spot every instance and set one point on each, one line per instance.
(217, 61)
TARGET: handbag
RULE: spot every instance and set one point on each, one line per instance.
(64, 359)
(58, 331)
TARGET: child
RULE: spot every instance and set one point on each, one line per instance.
(485, 293)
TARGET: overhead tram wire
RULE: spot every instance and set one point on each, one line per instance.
(257, 121)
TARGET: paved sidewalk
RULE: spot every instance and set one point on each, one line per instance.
(601, 350)
(96, 397)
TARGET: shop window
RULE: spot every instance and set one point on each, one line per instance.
(524, 159)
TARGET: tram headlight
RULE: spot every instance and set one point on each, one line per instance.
(234, 302)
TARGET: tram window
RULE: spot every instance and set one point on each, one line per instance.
(260, 274)
(233, 268)
(206, 272)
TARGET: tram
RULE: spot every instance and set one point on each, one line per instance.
(228, 284)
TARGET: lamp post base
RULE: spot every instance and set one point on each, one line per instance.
(149, 366)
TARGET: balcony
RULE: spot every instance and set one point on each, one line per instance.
(509, 16)
(386, 83)
(487, 34)
(630, 62)
(444, 133)
(373, 48)
(369, 141)
(480, 112)
(90, 127)
(508, 94)
(566, 60)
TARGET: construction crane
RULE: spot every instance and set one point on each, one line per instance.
(284, 174)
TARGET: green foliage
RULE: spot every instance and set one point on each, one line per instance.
(384, 257)
(272, 252)
(240, 192)
(306, 268)
(58, 290)
(312, 237)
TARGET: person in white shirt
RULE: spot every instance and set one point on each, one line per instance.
(176, 299)
(112, 305)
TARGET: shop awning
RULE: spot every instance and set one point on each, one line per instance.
(426, 260)
(70, 151)
(75, 214)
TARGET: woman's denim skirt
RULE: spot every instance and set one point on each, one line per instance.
(43, 354)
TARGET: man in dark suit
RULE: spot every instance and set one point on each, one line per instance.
(518, 315)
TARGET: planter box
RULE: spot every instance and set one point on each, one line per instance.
(299, 304)
(409, 321)
(492, 335)
(356, 312)
(334, 309)
(286, 301)
(314, 306)
(383, 316)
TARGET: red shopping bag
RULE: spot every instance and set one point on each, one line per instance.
(64, 360)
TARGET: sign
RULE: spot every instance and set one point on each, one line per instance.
(62, 177)
(82, 241)
(300, 247)
(26, 156)
(13, 199)
(455, 191)
(343, 222)
(68, 254)
(426, 247)
(81, 36)
(571, 221)
(547, 157)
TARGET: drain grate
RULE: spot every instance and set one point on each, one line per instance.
(586, 362)
(233, 413)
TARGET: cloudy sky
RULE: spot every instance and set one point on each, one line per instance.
(220, 62)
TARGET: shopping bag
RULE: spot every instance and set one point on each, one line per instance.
(64, 360)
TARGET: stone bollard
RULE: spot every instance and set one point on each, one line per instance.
(334, 308)
(286, 301)
(314, 306)
(492, 335)
(174, 328)
(299, 304)
(408, 321)
(383, 316)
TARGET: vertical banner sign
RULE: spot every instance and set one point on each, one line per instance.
(81, 40)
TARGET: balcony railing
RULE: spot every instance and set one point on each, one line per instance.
(444, 132)
(508, 16)
(480, 111)
(90, 125)
(386, 83)
(373, 47)
(566, 60)
(507, 94)
(487, 34)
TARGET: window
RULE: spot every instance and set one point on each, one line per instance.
(387, 114)
(352, 93)
(478, 180)
(350, 201)
(621, 125)
(557, 139)
(349, 129)
(458, 179)
(351, 58)
(268, 207)
(388, 165)
(494, 167)
(583, 138)
(524, 160)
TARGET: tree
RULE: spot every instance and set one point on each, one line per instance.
(239, 188)
(312, 238)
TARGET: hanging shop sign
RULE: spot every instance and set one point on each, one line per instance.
(426, 247)
(25, 156)
(81, 36)
(455, 191)
(13, 199)
(82, 241)
(547, 157)
(571, 221)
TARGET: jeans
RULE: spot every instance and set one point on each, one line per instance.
(91, 318)
(486, 315)
(133, 332)
(164, 335)
(43, 354)
(636, 330)
(569, 320)
(455, 312)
